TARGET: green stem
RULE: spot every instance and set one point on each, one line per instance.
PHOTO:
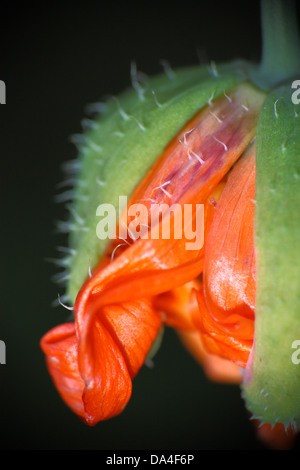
(281, 45)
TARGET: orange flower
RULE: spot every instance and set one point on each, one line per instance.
(208, 242)
(143, 283)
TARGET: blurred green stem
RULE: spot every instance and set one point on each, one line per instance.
(281, 45)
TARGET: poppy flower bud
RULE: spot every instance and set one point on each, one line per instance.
(221, 141)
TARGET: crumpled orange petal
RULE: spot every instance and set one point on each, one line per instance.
(227, 299)
(97, 384)
(219, 339)
(107, 379)
(110, 383)
(229, 269)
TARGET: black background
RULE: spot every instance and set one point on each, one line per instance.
(55, 59)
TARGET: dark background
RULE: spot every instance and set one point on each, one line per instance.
(55, 59)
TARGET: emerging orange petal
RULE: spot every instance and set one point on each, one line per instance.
(276, 437)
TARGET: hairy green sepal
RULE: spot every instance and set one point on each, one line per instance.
(271, 385)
